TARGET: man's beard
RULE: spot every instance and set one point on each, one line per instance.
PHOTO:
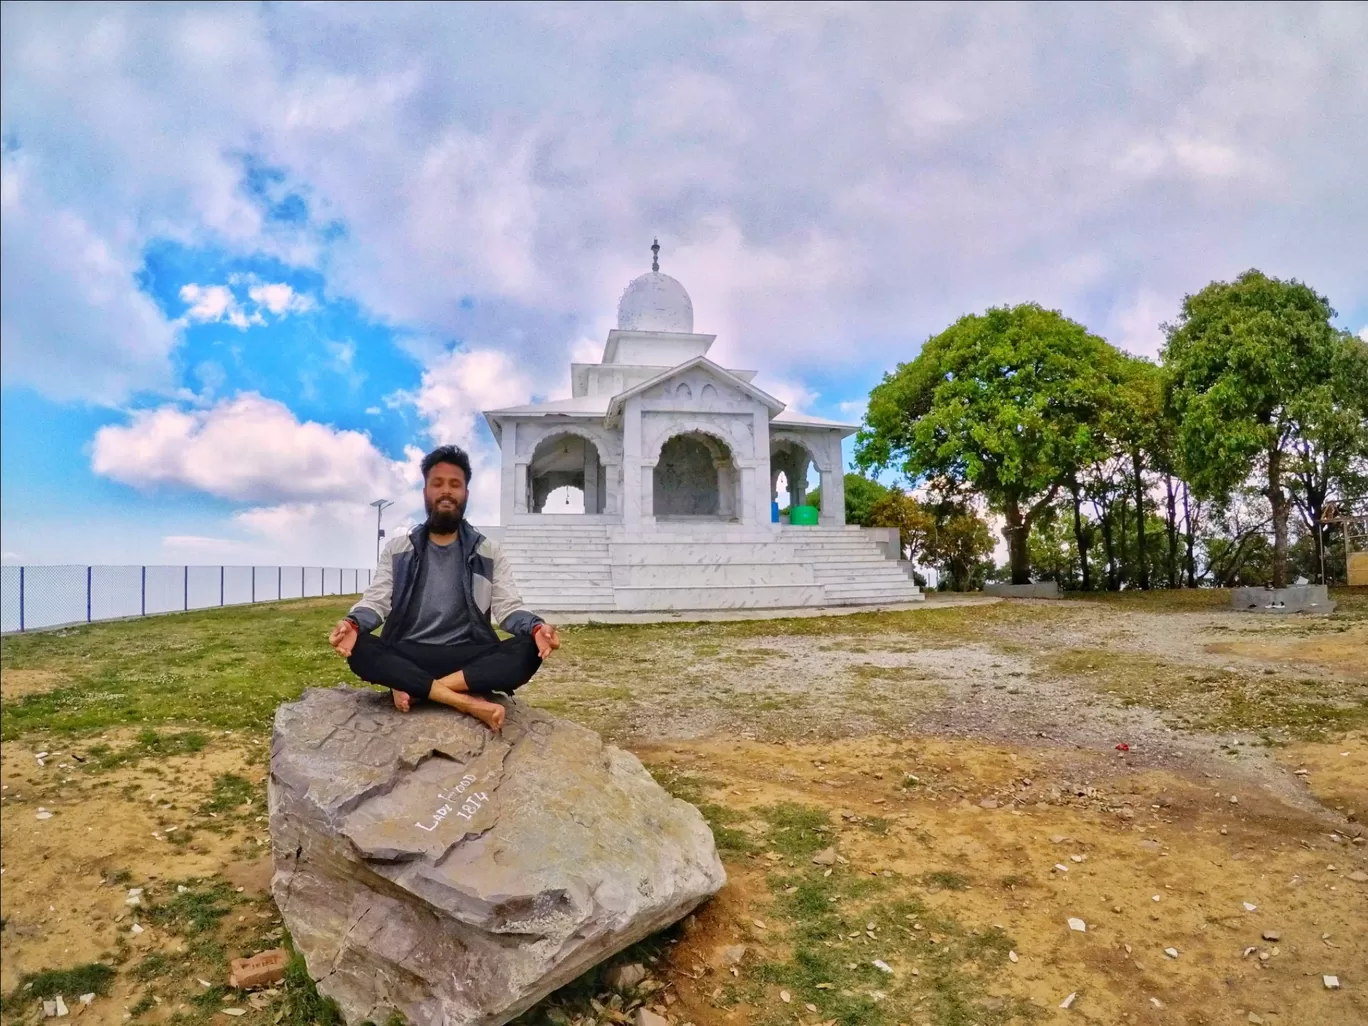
(444, 520)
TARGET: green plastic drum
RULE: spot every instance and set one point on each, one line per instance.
(805, 516)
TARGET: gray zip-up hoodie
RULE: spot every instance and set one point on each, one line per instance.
(490, 588)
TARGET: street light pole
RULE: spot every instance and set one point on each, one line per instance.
(380, 506)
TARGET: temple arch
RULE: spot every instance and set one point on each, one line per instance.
(695, 475)
(565, 463)
(793, 461)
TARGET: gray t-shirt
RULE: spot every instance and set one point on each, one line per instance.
(440, 615)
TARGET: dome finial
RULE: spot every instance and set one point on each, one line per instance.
(655, 254)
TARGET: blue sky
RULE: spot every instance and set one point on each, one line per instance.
(257, 257)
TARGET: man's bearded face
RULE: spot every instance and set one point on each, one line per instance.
(445, 497)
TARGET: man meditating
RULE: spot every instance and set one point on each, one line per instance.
(434, 591)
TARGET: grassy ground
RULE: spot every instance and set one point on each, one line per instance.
(938, 751)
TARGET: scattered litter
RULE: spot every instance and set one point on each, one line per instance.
(1331, 983)
(42, 814)
(233, 1011)
(785, 996)
(134, 896)
(1157, 897)
(1068, 1001)
(1077, 858)
(1123, 747)
(1156, 1002)
(135, 929)
(1061, 867)
(1171, 952)
(1077, 925)
(1012, 956)
(1250, 908)
(87, 999)
(882, 966)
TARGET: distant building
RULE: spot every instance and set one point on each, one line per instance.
(678, 460)
(657, 431)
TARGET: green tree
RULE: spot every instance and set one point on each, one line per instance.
(1134, 418)
(861, 493)
(944, 532)
(1245, 360)
(1330, 450)
(1003, 402)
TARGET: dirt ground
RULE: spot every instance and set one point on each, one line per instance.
(965, 771)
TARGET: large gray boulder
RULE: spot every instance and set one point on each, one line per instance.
(426, 866)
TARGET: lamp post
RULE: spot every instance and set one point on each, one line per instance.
(380, 506)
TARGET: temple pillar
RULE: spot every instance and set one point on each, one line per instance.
(591, 476)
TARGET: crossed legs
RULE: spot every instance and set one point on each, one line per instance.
(459, 676)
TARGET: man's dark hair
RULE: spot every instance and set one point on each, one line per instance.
(452, 454)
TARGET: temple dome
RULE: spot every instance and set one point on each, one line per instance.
(655, 302)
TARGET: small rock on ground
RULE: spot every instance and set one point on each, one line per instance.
(624, 978)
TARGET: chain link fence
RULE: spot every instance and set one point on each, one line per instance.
(33, 597)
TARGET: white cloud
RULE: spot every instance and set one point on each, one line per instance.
(325, 533)
(450, 399)
(210, 303)
(854, 410)
(835, 175)
(795, 395)
(1363, 333)
(1136, 325)
(249, 449)
(73, 323)
(280, 299)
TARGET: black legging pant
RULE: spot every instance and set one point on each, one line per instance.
(412, 666)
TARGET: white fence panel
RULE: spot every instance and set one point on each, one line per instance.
(34, 597)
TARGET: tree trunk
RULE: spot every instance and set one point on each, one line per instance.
(1122, 547)
(1015, 530)
(1171, 562)
(1278, 501)
(1079, 538)
(1140, 554)
(1191, 540)
(1108, 543)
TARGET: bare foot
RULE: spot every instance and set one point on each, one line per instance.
(491, 714)
(402, 701)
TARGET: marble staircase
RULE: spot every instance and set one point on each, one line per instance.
(680, 566)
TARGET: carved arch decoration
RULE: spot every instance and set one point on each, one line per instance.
(819, 449)
(608, 443)
(737, 441)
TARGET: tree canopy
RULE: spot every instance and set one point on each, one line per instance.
(1252, 373)
(1004, 402)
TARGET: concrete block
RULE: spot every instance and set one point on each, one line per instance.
(1035, 590)
(1304, 598)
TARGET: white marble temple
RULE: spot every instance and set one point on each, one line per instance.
(678, 460)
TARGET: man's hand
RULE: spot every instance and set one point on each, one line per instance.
(343, 638)
(546, 638)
